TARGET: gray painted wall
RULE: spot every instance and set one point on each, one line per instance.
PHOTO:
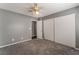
(77, 26)
(14, 27)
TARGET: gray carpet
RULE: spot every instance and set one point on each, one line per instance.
(38, 47)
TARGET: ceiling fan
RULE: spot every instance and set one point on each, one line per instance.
(35, 9)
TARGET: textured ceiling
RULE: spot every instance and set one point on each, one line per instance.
(46, 8)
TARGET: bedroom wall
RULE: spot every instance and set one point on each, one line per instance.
(14, 27)
(77, 27)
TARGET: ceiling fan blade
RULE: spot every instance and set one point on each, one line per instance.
(29, 10)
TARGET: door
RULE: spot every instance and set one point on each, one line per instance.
(48, 29)
(39, 29)
(65, 30)
(34, 29)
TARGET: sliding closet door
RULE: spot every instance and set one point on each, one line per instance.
(65, 30)
(39, 29)
(48, 29)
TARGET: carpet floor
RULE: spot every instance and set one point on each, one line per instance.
(38, 47)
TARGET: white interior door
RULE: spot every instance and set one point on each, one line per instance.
(48, 29)
(39, 29)
(65, 30)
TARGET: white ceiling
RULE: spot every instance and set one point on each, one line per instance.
(46, 8)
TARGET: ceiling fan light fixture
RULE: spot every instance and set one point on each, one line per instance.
(36, 9)
(37, 12)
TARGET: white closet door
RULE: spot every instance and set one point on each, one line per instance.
(48, 29)
(65, 30)
(39, 29)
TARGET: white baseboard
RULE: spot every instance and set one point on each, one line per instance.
(76, 48)
(14, 43)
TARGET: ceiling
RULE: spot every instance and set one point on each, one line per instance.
(46, 8)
